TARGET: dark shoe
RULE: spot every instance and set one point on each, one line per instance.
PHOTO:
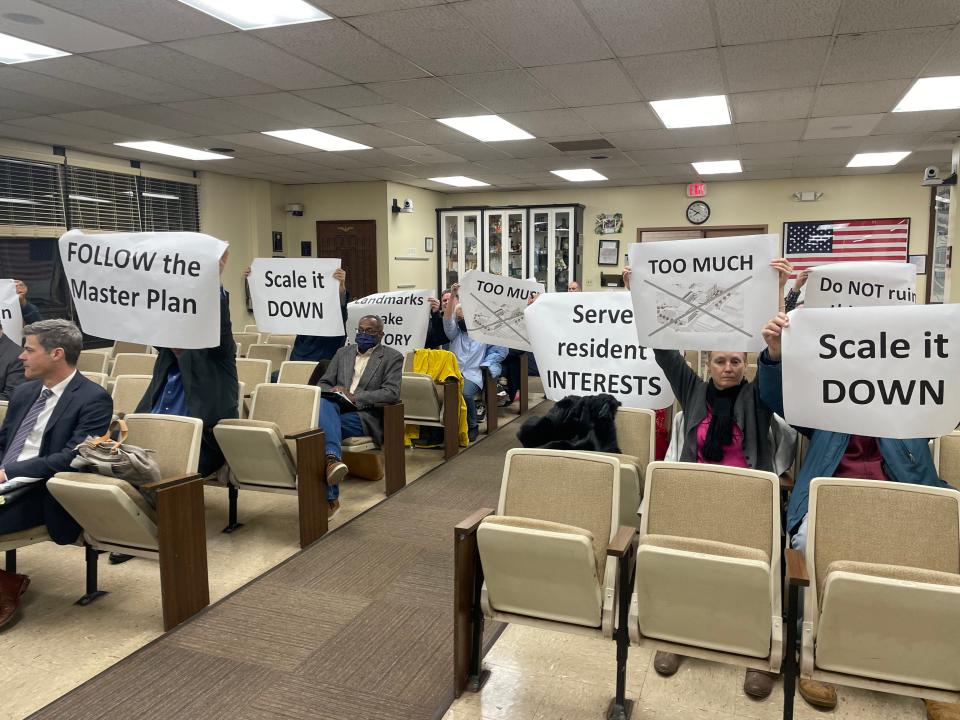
(118, 558)
(336, 470)
(819, 694)
(666, 663)
(12, 586)
(333, 507)
(941, 710)
(759, 684)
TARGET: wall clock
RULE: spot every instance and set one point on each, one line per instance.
(698, 212)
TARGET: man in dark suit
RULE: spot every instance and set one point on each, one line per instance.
(11, 367)
(368, 374)
(47, 418)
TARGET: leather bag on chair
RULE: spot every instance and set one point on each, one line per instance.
(117, 459)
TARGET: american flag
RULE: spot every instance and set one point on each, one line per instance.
(817, 243)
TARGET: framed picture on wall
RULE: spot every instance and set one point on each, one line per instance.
(306, 249)
(608, 252)
(428, 244)
(277, 241)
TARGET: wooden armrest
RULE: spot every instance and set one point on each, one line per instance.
(303, 434)
(449, 380)
(796, 568)
(386, 404)
(469, 525)
(168, 483)
(621, 543)
(786, 481)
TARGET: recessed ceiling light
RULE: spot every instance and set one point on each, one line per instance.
(693, 112)
(316, 139)
(17, 201)
(582, 175)
(715, 167)
(162, 148)
(460, 181)
(936, 93)
(256, 14)
(486, 128)
(88, 198)
(876, 159)
(14, 50)
(160, 196)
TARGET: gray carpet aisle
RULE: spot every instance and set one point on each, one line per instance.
(359, 626)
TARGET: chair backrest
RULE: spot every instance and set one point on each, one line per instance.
(276, 354)
(731, 505)
(175, 441)
(279, 339)
(241, 394)
(253, 371)
(420, 397)
(98, 377)
(750, 372)
(92, 361)
(250, 329)
(636, 433)
(128, 390)
(881, 522)
(296, 372)
(294, 408)
(122, 346)
(946, 457)
(3, 410)
(408, 361)
(244, 340)
(133, 364)
(752, 358)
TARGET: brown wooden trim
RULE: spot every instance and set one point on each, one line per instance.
(490, 400)
(701, 228)
(303, 434)
(394, 453)
(182, 540)
(796, 568)
(158, 485)
(472, 522)
(466, 564)
(931, 237)
(311, 486)
(524, 383)
(451, 417)
(621, 542)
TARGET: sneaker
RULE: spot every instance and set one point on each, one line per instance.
(333, 507)
(819, 694)
(759, 684)
(666, 663)
(941, 710)
(336, 470)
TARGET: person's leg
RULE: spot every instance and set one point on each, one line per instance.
(350, 425)
(470, 390)
(27, 512)
(331, 421)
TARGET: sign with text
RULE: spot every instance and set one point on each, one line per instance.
(297, 296)
(157, 288)
(11, 314)
(586, 344)
(493, 307)
(710, 294)
(405, 315)
(875, 371)
(861, 284)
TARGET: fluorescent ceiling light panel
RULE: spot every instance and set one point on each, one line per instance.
(486, 128)
(876, 159)
(316, 139)
(584, 175)
(716, 167)
(14, 50)
(160, 196)
(18, 201)
(693, 112)
(936, 93)
(256, 14)
(88, 198)
(162, 148)
(460, 181)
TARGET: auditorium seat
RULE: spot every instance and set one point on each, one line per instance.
(250, 329)
(11, 542)
(121, 346)
(252, 372)
(132, 364)
(115, 517)
(750, 372)
(128, 391)
(3, 410)
(432, 404)
(244, 340)
(946, 458)
(882, 603)
(99, 378)
(93, 361)
(296, 372)
(550, 557)
(636, 436)
(280, 339)
(276, 354)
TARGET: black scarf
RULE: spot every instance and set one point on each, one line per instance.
(720, 432)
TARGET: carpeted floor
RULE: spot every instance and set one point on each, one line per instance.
(359, 626)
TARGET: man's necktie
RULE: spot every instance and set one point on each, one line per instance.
(26, 427)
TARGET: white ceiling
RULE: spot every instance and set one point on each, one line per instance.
(810, 83)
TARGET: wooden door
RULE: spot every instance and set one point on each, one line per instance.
(355, 243)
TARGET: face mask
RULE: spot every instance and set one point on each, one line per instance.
(366, 341)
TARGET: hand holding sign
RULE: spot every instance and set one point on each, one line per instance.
(10, 314)
(493, 308)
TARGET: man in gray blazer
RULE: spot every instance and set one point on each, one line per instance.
(363, 375)
(11, 367)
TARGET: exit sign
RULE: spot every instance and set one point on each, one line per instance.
(696, 189)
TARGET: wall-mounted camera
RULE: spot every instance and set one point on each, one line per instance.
(295, 209)
(407, 206)
(931, 177)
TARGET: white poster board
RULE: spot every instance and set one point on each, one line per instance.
(586, 344)
(156, 288)
(710, 294)
(405, 315)
(861, 284)
(493, 307)
(875, 371)
(11, 314)
(297, 296)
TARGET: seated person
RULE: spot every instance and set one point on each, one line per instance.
(436, 337)
(35, 444)
(29, 311)
(368, 374)
(11, 367)
(472, 356)
(834, 454)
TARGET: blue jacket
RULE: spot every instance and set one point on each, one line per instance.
(907, 461)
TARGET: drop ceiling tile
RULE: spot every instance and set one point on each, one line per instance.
(334, 160)
(362, 159)
(512, 167)
(11, 101)
(31, 134)
(528, 148)
(772, 131)
(176, 120)
(161, 62)
(343, 50)
(700, 136)
(255, 58)
(63, 128)
(550, 123)
(775, 65)
(841, 126)
(771, 104)
(14, 78)
(866, 15)
(619, 173)
(534, 33)
(293, 109)
(755, 164)
(641, 139)
(339, 98)
(449, 169)
(939, 141)
(474, 151)
(62, 30)
(505, 90)
(384, 113)
(705, 153)
(765, 174)
(752, 21)
(587, 84)
(789, 148)
(947, 59)
(424, 154)
(663, 156)
(371, 135)
(608, 157)
(853, 98)
(829, 145)
(653, 26)
(387, 173)
(911, 122)
(834, 160)
(431, 97)
(883, 55)
(231, 113)
(122, 127)
(426, 131)
(676, 75)
(917, 160)
(8, 114)
(682, 170)
(156, 22)
(266, 143)
(352, 8)
(890, 143)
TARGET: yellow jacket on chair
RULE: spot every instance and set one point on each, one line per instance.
(440, 365)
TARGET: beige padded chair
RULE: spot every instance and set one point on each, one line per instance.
(244, 340)
(946, 458)
(433, 405)
(241, 394)
(116, 518)
(280, 339)
(708, 565)
(276, 354)
(279, 448)
(750, 372)
(882, 608)
(121, 346)
(251, 329)
(11, 542)
(251, 372)
(3, 410)
(101, 379)
(296, 372)
(93, 361)
(128, 391)
(133, 364)
(549, 557)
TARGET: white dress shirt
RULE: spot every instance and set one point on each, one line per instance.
(359, 366)
(31, 448)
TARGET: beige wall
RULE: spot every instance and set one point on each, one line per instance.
(407, 232)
